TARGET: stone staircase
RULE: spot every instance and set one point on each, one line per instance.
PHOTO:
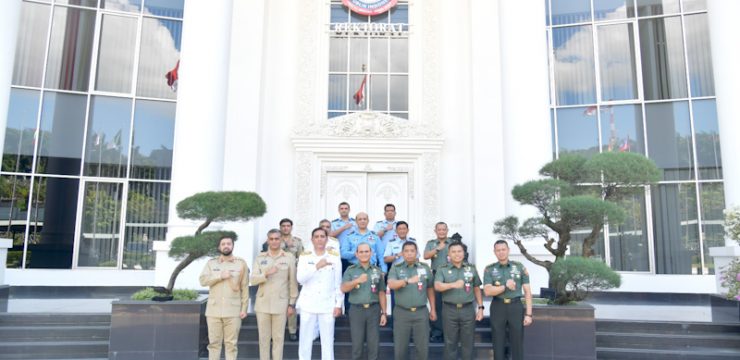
(85, 336)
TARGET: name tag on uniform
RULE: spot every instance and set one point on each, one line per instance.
(422, 272)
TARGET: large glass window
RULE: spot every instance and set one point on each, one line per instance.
(93, 80)
(368, 61)
(636, 75)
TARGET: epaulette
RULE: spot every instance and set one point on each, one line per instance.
(410, 239)
(333, 252)
(378, 222)
(352, 266)
(306, 253)
(337, 219)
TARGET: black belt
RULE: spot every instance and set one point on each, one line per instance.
(515, 300)
(412, 309)
(459, 306)
(365, 306)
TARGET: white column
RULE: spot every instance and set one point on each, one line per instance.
(10, 14)
(197, 163)
(723, 29)
(525, 111)
(524, 90)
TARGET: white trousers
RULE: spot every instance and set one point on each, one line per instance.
(307, 329)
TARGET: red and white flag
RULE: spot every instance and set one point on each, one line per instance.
(590, 111)
(172, 77)
(359, 96)
(625, 146)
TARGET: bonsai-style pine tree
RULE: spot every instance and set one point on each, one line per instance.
(576, 192)
(210, 207)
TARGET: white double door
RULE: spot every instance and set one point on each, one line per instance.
(367, 192)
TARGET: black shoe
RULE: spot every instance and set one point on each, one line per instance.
(436, 339)
(293, 337)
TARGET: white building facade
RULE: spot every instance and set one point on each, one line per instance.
(439, 107)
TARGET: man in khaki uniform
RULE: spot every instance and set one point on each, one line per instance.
(274, 273)
(293, 245)
(227, 277)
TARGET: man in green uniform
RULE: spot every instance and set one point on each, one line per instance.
(227, 278)
(413, 283)
(462, 303)
(366, 287)
(436, 250)
(504, 281)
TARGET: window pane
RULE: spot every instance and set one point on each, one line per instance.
(400, 15)
(379, 58)
(399, 55)
(87, 3)
(694, 5)
(51, 231)
(338, 92)
(574, 65)
(657, 7)
(358, 54)
(700, 55)
(169, 8)
(106, 151)
(401, 115)
(708, 154)
(339, 14)
(338, 54)
(576, 243)
(663, 66)
(357, 18)
(121, 5)
(159, 54)
(62, 129)
(14, 191)
(712, 220)
(21, 130)
(100, 228)
(621, 129)
(570, 11)
(379, 93)
(617, 62)
(380, 19)
(613, 9)
(399, 93)
(628, 241)
(578, 131)
(116, 54)
(70, 49)
(357, 102)
(676, 229)
(154, 129)
(146, 219)
(669, 139)
(31, 44)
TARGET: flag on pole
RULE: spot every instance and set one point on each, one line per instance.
(359, 96)
(590, 111)
(625, 146)
(172, 77)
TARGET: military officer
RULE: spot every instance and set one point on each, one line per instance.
(459, 284)
(505, 281)
(332, 243)
(394, 250)
(342, 226)
(436, 250)
(274, 273)
(413, 284)
(365, 284)
(362, 235)
(293, 245)
(227, 278)
(386, 228)
(321, 298)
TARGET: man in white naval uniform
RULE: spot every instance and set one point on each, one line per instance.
(320, 300)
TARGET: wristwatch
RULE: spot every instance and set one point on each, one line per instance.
(481, 307)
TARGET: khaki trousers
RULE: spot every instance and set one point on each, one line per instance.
(224, 330)
(293, 323)
(271, 327)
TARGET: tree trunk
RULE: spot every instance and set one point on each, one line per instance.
(587, 250)
(184, 263)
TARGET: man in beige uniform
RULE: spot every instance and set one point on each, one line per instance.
(274, 273)
(227, 277)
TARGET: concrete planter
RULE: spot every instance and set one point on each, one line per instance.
(561, 332)
(723, 256)
(4, 295)
(157, 330)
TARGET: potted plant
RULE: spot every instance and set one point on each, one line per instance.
(145, 329)
(727, 263)
(576, 193)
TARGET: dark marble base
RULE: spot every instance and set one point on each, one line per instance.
(157, 330)
(724, 310)
(4, 295)
(561, 332)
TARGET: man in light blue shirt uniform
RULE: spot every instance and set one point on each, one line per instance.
(344, 225)
(386, 229)
(394, 249)
(362, 235)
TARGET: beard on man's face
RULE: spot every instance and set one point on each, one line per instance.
(225, 252)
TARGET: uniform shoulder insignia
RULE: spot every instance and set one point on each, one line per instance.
(333, 252)
(379, 222)
(411, 239)
(306, 253)
(335, 220)
(351, 266)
